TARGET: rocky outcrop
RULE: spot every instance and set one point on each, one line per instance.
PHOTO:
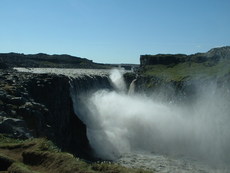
(65, 128)
(16, 128)
(21, 117)
(164, 59)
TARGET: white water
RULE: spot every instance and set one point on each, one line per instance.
(146, 132)
(67, 72)
(117, 80)
(118, 123)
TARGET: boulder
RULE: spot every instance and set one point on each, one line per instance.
(17, 101)
(16, 128)
(3, 114)
(5, 162)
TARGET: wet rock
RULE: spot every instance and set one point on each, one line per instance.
(17, 101)
(1, 105)
(3, 114)
(3, 65)
(64, 128)
(35, 116)
(15, 128)
(40, 105)
(6, 98)
(2, 95)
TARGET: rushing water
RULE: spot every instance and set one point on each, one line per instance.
(67, 72)
(168, 164)
(142, 132)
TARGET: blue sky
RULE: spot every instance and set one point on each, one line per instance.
(113, 31)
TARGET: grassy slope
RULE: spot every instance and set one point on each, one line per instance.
(188, 70)
(41, 156)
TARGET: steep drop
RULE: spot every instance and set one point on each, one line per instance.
(118, 123)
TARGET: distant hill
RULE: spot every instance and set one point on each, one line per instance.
(45, 60)
(215, 62)
(214, 55)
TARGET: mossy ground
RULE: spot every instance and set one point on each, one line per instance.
(42, 156)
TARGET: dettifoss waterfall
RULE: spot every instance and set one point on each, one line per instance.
(147, 131)
(141, 131)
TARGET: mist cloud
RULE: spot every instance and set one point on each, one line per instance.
(119, 123)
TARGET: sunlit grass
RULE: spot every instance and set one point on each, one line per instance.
(187, 70)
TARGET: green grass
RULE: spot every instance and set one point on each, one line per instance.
(185, 71)
(18, 167)
(41, 155)
(5, 141)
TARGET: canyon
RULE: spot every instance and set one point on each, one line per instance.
(173, 106)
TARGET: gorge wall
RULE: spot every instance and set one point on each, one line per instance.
(172, 109)
(47, 105)
(214, 55)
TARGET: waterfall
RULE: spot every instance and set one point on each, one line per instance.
(82, 87)
(132, 87)
(119, 123)
(117, 80)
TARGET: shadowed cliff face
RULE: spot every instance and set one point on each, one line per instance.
(65, 128)
(83, 87)
(47, 105)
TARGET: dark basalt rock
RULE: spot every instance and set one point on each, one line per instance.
(15, 128)
(68, 131)
(5, 162)
(164, 59)
(40, 105)
(3, 65)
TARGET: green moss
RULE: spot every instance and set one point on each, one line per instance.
(45, 145)
(5, 141)
(41, 155)
(20, 168)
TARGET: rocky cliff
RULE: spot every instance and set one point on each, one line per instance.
(214, 55)
(51, 106)
(177, 75)
(46, 105)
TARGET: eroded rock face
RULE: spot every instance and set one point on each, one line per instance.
(16, 128)
(40, 105)
(164, 59)
(17, 105)
(65, 128)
